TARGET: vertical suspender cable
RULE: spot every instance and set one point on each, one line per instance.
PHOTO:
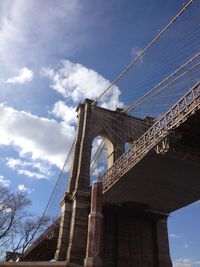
(139, 56)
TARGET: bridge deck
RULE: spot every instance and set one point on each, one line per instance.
(164, 182)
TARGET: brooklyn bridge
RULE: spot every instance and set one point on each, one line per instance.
(153, 167)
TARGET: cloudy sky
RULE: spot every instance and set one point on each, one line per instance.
(54, 54)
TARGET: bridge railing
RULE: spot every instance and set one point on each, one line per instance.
(185, 107)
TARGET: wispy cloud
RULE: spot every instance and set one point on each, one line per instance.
(30, 133)
(24, 75)
(27, 32)
(98, 167)
(32, 174)
(42, 167)
(24, 189)
(135, 52)
(98, 170)
(76, 82)
(4, 182)
(174, 236)
(186, 263)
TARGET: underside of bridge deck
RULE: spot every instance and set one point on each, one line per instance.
(164, 182)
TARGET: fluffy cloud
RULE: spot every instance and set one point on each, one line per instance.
(24, 189)
(67, 113)
(76, 82)
(38, 137)
(45, 139)
(3, 181)
(27, 32)
(25, 75)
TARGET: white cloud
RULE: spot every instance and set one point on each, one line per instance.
(28, 33)
(186, 246)
(37, 137)
(185, 263)
(42, 166)
(174, 236)
(4, 182)
(32, 174)
(67, 113)
(23, 188)
(13, 163)
(24, 75)
(38, 170)
(98, 163)
(76, 82)
(98, 170)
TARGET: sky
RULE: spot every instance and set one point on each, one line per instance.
(53, 55)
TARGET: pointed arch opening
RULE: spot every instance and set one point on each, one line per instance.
(102, 157)
(127, 146)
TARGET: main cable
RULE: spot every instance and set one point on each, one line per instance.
(139, 56)
(59, 177)
(148, 95)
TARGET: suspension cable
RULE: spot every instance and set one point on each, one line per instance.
(139, 56)
(59, 177)
(96, 155)
(145, 97)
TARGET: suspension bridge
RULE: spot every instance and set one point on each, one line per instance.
(148, 121)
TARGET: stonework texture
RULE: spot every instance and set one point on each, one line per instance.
(123, 235)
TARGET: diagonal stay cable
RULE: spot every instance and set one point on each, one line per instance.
(97, 155)
(137, 131)
(139, 56)
(59, 177)
(57, 182)
(145, 97)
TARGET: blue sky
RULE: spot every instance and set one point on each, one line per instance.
(53, 54)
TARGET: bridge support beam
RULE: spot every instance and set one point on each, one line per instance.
(133, 235)
(63, 238)
(95, 233)
(78, 230)
(163, 253)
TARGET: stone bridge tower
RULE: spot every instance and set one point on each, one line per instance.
(93, 121)
(129, 207)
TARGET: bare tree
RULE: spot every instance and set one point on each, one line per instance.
(18, 227)
(12, 210)
(28, 231)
